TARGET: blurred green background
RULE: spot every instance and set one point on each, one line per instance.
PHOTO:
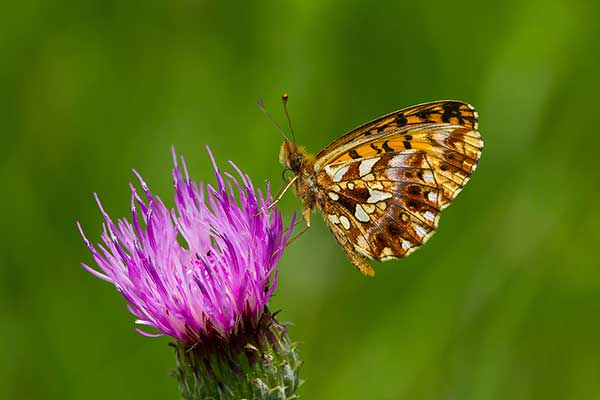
(503, 302)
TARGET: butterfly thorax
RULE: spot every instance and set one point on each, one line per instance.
(297, 160)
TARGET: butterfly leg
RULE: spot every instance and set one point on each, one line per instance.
(298, 222)
(281, 192)
(302, 232)
(306, 214)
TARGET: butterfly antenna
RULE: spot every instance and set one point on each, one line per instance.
(261, 104)
(284, 100)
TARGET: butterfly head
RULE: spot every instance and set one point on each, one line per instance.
(292, 157)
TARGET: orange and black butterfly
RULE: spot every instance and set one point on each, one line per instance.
(381, 187)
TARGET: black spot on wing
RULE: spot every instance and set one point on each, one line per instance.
(386, 147)
(347, 203)
(348, 198)
(450, 110)
(393, 229)
(377, 149)
(424, 115)
(401, 119)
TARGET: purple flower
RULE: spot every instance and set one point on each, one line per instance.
(202, 270)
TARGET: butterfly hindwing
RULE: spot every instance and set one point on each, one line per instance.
(385, 206)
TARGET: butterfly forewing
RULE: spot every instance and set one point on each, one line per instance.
(448, 112)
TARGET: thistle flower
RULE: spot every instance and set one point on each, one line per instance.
(203, 273)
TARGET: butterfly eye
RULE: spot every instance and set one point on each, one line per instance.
(296, 162)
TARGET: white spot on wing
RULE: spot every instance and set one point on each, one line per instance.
(340, 173)
(400, 161)
(330, 170)
(350, 185)
(362, 250)
(428, 177)
(376, 196)
(362, 242)
(369, 177)
(420, 231)
(386, 251)
(366, 165)
(360, 214)
(333, 196)
(432, 196)
(333, 218)
(345, 222)
(429, 216)
(406, 244)
(369, 208)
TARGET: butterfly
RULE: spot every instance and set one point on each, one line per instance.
(382, 186)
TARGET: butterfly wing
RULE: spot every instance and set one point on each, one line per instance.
(381, 207)
(450, 112)
(382, 193)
